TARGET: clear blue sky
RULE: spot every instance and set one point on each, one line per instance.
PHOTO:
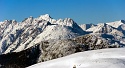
(81, 11)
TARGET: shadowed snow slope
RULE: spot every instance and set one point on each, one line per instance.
(105, 58)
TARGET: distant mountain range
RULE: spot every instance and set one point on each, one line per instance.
(113, 32)
(54, 38)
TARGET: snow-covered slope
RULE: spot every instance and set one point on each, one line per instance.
(105, 58)
(55, 32)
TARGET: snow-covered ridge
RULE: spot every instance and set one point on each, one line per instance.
(109, 58)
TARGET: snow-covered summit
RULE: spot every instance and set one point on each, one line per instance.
(45, 17)
(116, 24)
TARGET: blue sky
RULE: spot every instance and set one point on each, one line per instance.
(81, 11)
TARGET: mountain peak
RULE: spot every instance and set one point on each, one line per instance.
(69, 20)
(123, 21)
(116, 24)
(31, 16)
(8, 21)
(46, 16)
(14, 21)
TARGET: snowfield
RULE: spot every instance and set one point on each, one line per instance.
(104, 58)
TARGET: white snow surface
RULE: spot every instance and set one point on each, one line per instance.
(104, 58)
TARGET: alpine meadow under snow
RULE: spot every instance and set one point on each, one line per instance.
(42, 39)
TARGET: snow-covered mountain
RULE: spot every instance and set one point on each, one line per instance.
(43, 38)
(114, 32)
(15, 36)
(109, 58)
(116, 24)
(19, 36)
